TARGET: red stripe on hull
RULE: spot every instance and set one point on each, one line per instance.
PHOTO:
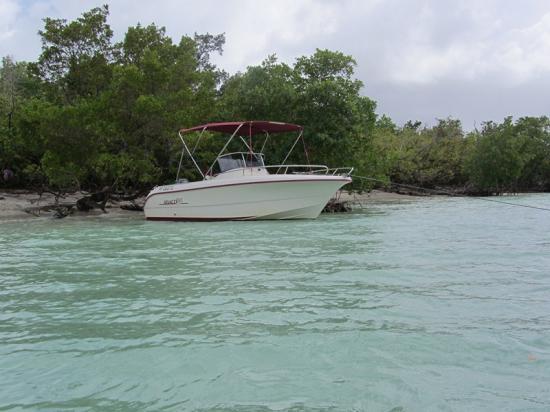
(200, 219)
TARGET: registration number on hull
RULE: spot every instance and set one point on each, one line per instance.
(171, 202)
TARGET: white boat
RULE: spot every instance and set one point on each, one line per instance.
(239, 186)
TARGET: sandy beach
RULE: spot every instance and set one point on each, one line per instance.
(19, 204)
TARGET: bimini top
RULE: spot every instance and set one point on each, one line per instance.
(248, 128)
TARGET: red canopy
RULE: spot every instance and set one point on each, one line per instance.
(248, 128)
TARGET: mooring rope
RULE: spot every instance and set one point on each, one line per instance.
(445, 192)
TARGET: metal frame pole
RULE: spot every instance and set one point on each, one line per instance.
(190, 155)
(291, 149)
(223, 149)
(265, 141)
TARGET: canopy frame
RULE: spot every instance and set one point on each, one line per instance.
(254, 128)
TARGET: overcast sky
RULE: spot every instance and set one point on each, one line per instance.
(420, 60)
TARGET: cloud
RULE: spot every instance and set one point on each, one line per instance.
(287, 24)
(512, 54)
(253, 28)
(8, 16)
(526, 51)
(419, 59)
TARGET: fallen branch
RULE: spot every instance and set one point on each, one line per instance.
(96, 200)
(132, 206)
(60, 210)
(337, 206)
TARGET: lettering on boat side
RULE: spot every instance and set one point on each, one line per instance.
(165, 188)
(169, 202)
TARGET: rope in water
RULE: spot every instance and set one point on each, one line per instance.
(445, 192)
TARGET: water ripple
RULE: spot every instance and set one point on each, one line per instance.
(438, 304)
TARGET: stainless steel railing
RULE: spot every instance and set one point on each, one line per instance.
(310, 169)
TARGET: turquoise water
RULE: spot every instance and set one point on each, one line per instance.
(436, 304)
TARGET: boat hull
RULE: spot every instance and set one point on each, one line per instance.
(271, 197)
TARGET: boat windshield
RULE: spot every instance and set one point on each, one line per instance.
(240, 160)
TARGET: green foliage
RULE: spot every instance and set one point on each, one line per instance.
(509, 157)
(60, 172)
(128, 170)
(428, 157)
(106, 113)
(318, 92)
(140, 40)
(535, 133)
(15, 87)
(386, 123)
(205, 45)
(504, 157)
(24, 147)
(90, 113)
(336, 116)
(262, 92)
(76, 55)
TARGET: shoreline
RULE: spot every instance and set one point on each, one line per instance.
(375, 196)
(14, 203)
